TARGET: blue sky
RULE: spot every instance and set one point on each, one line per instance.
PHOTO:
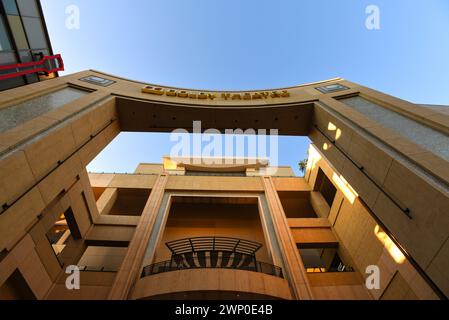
(238, 45)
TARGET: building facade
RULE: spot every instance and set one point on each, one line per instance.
(23, 39)
(369, 220)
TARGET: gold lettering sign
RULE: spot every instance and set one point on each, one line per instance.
(211, 96)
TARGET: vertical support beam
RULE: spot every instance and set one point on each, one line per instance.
(107, 200)
(132, 262)
(293, 266)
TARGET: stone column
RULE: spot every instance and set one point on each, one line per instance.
(293, 267)
(132, 262)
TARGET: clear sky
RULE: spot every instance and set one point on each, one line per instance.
(253, 44)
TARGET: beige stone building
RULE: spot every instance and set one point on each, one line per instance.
(373, 204)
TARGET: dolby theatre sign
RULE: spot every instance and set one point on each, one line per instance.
(215, 95)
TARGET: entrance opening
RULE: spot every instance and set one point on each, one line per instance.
(236, 218)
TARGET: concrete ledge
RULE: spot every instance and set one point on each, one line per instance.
(211, 280)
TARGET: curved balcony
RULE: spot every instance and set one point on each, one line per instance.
(212, 252)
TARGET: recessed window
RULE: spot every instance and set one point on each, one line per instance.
(322, 259)
(129, 202)
(296, 204)
(426, 137)
(58, 236)
(98, 81)
(326, 187)
(13, 116)
(62, 231)
(332, 88)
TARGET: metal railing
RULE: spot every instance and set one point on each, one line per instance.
(212, 259)
(97, 269)
(225, 244)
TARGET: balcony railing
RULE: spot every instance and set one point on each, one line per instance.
(212, 252)
(243, 262)
(97, 269)
(197, 244)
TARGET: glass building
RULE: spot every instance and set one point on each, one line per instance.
(23, 38)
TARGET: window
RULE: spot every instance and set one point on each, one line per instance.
(11, 83)
(18, 32)
(331, 88)
(325, 186)
(58, 235)
(62, 231)
(428, 138)
(35, 32)
(322, 259)
(10, 7)
(5, 43)
(28, 8)
(7, 58)
(25, 56)
(98, 81)
(25, 111)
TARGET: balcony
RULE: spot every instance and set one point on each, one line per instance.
(212, 252)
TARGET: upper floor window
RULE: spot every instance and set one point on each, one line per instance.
(98, 81)
(331, 88)
(326, 187)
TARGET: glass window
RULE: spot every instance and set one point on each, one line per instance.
(98, 81)
(31, 78)
(331, 88)
(10, 7)
(9, 84)
(426, 137)
(15, 115)
(36, 54)
(25, 56)
(35, 32)
(5, 44)
(18, 32)
(7, 58)
(28, 8)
